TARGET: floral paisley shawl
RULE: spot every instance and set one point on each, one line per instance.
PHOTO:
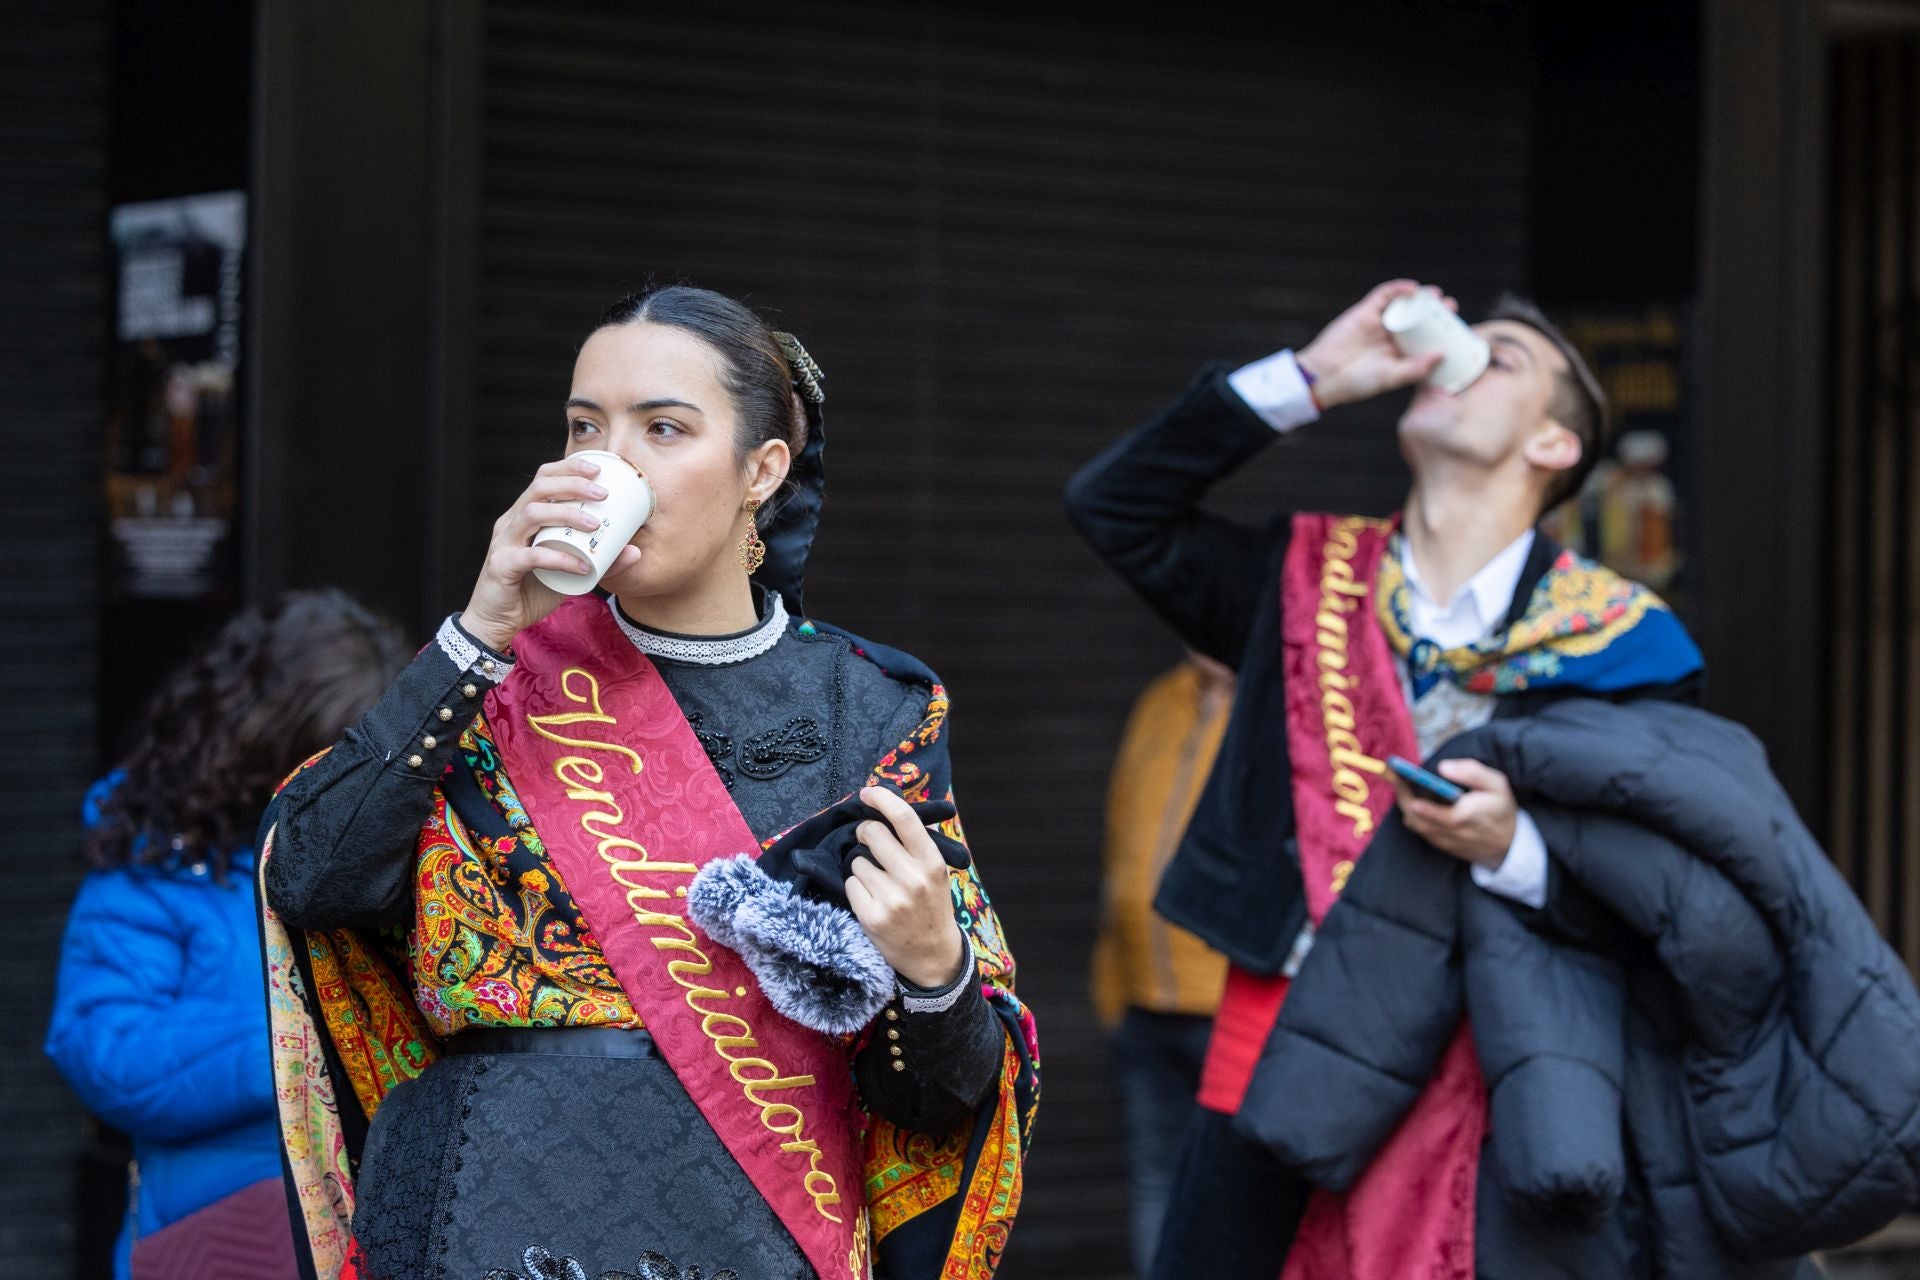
(1584, 627)
(346, 1029)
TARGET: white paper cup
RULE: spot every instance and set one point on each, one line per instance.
(1420, 324)
(627, 506)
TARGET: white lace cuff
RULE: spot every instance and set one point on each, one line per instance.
(469, 654)
(937, 1001)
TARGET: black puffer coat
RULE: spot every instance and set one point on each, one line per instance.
(1707, 1063)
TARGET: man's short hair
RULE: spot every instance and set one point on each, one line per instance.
(1578, 403)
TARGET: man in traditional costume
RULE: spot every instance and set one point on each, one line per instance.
(1469, 1052)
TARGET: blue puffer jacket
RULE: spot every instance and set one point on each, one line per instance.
(1702, 1064)
(159, 1024)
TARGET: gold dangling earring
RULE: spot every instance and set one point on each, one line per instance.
(753, 552)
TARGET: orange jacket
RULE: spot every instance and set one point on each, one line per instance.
(1171, 739)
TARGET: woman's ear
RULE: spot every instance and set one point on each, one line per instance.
(767, 469)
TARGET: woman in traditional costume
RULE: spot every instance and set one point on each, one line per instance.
(635, 933)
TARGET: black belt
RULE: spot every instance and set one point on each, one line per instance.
(566, 1042)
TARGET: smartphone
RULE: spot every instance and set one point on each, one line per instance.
(1430, 785)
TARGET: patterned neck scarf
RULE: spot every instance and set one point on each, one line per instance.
(1585, 627)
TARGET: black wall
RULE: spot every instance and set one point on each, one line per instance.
(53, 330)
(179, 125)
(342, 467)
(1764, 502)
(1007, 238)
(1616, 153)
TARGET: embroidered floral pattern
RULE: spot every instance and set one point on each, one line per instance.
(542, 1265)
(909, 1173)
(309, 1113)
(1584, 625)
(497, 940)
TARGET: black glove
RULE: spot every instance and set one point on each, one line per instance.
(817, 856)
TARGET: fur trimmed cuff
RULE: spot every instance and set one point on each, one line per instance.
(814, 961)
(718, 892)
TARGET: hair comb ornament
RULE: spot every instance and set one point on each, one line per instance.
(788, 533)
(807, 376)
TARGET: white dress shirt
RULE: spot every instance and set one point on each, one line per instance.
(1276, 390)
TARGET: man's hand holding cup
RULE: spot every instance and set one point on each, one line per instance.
(1355, 358)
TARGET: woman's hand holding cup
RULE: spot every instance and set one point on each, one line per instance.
(507, 599)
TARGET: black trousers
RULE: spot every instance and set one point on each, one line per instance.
(1234, 1209)
(1156, 1062)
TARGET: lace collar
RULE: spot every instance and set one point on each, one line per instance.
(709, 651)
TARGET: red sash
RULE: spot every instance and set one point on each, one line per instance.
(1411, 1213)
(630, 808)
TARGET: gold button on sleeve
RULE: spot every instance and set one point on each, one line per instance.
(429, 742)
(469, 690)
(415, 761)
(446, 714)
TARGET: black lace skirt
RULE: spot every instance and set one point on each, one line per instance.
(522, 1151)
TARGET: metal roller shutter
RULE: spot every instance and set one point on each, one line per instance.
(1006, 237)
(53, 208)
(1874, 389)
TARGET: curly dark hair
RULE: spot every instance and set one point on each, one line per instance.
(280, 681)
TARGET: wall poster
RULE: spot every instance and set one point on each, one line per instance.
(171, 447)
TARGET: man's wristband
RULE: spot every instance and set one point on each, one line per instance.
(1306, 375)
